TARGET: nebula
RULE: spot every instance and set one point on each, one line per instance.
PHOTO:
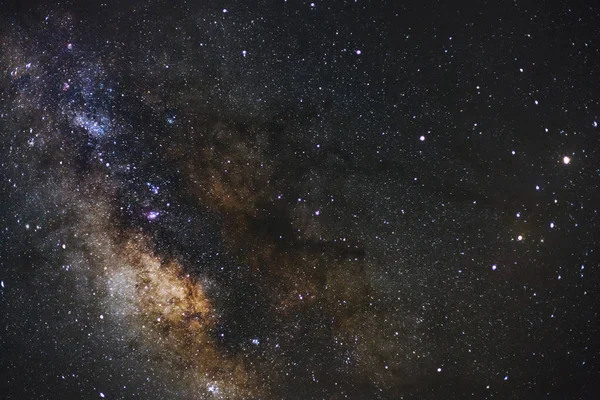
(296, 201)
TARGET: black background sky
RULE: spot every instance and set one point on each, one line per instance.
(288, 199)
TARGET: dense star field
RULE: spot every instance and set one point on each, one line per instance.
(299, 200)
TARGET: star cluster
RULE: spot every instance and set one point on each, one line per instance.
(298, 200)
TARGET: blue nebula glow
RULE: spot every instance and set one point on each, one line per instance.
(94, 124)
(152, 215)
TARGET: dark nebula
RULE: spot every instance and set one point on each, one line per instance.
(298, 200)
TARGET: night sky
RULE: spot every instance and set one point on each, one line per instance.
(296, 200)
